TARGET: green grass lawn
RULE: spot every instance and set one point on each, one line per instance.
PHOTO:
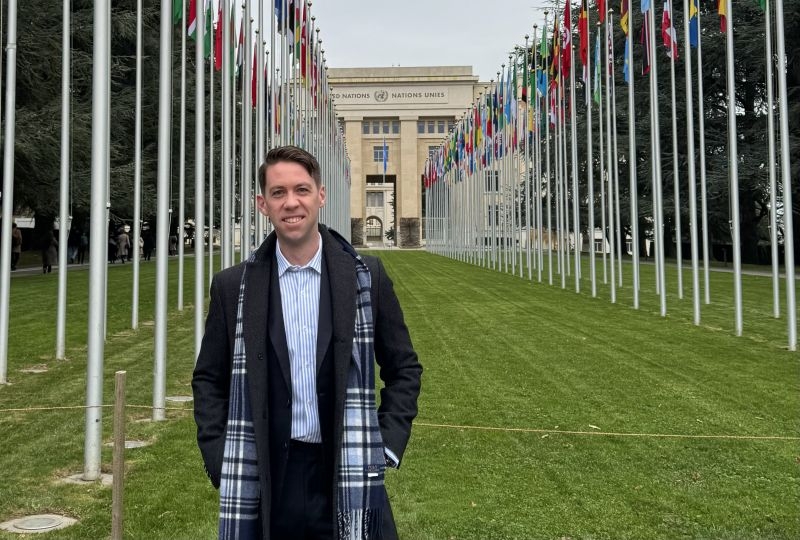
(498, 351)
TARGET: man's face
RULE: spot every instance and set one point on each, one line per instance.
(291, 201)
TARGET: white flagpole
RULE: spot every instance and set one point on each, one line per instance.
(602, 150)
(690, 150)
(675, 172)
(610, 160)
(733, 170)
(618, 215)
(211, 128)
(98, 265)
(634, 186)
(574, 147)
(701, 117)
(527, 161)
(164, 138)
(786, 177)
(773, 196)
(590, 162)
(64, 219)
(227, 73)
(137, 171)
(8, 183)
(247, 133)
(182, 159)
(658, 210)
(199, 176)
(549, 180)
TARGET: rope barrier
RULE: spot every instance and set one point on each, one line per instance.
(476, 428)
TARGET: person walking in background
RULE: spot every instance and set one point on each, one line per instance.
(49, 252)
(83, 247)
(16, 245)
(148, 244)
(123, 245)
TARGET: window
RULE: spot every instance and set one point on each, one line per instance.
(492, 184)
(375, 199)
(374, 229)
(365, 128)
(377, 154)
(598, 246)
(431, 125)
(450, 125)
(376, 127)
(386, 126)
(440, 126)
(420, 126)
(396, 126)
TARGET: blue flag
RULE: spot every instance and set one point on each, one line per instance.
(541, 81)
(693, 36)
(385, 155)
(645, 6)
(626, 68)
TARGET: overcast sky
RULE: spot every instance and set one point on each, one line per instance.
(376, 33)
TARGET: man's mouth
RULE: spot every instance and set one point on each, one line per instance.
(293, 219)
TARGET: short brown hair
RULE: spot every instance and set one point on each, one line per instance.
(291, 154)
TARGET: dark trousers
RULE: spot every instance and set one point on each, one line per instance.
(303, 510)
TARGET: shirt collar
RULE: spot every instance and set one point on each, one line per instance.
(284, 265)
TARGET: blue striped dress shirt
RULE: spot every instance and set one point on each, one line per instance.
(300, 302)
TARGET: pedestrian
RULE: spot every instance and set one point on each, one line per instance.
(173, 244)
(123, 245)
(16, 245)
(83, 247)
(73, 241)
(112, 247)
(49, 252)
(290, 334)
(148, 244)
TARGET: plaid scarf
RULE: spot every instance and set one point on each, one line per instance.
(361, 464)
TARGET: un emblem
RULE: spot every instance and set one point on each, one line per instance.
(381, 96)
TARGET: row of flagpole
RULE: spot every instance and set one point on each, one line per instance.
(479, 180)
(290, 96)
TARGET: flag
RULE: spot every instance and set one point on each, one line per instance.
(626, 68)
(645, 40)
(597, 69)
(286, 17)
(668, 33)
(555, 52)
(239, 49)
(722, 10)
(177, 11)
(601, 10)
(566, 49)
(304, 49)
(693, 35)
(192, 23)
(583, 30)
(645, 6)
(254, 78)
(624, 17)
(524, 93)
(762, 4)
(218, 41)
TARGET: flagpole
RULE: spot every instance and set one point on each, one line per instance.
(8, 182)
(259, 158)
(590, 163)
(574, 147)
(610, 159)
(211, 129)
(690, 150)
(632, 157)
(786, 178)
(64, 219)
(227, 73)
(199, 176)
(99, 223)
(733, 168)
(163, 187)
(182, 158)
(549, 177)
(675, 172)
(247, 133)
(528, 170)
(701, 116)
(656, 165)
(602, 150)
(773, 198)
(564, 188)
(617, 215)
(137, 171)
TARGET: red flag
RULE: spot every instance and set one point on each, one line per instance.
(583, 30)
(566, 49)
(645, 40)
(304, 48)
(218, 41)
(668, 31)
(601, 9)
(254, 86)
(722, 11)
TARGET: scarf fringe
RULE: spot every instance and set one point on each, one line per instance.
(360, 524)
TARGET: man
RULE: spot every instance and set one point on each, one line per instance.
(288, 335)
(16, 245)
